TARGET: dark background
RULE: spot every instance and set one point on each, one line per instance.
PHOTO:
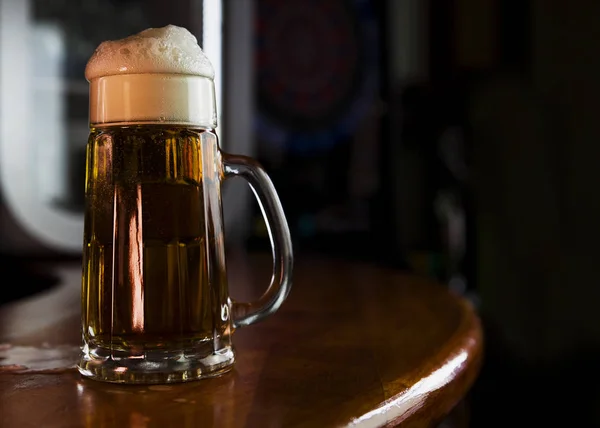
(454, 138)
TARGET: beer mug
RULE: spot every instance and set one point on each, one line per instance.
(155, 299)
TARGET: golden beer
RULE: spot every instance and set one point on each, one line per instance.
(146, 277)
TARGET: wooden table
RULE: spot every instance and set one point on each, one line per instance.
(354, 345)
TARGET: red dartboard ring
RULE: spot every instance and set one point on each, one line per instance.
(313, 69)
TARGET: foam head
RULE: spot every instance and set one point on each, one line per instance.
(157, 75)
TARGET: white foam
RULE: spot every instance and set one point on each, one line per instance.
(165, 50)
(157, 76)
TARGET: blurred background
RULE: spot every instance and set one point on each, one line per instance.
(453, 138)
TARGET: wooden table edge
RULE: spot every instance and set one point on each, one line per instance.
(434, 396)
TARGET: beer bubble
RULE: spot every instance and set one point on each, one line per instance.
(169, 50)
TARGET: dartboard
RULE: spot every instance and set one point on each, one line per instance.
(315, 69)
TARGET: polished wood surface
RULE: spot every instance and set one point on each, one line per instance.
(354, 345)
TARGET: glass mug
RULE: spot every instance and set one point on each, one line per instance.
(155, 299)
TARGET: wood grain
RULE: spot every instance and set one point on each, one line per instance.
(354, 345)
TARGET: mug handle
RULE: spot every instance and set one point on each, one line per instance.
(244, 314)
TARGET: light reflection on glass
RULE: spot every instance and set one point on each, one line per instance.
(136, 263)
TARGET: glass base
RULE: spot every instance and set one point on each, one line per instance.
(153, 367)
